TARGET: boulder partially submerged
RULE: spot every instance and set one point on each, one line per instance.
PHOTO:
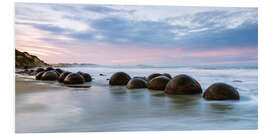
(74, 78)
(49, 69)
(150, 77)
(39, 75)
(49, 75)
(62, 76)
(221, 91)
(158, 83)
(60, 71)
(168, 75)
(119, 78)
(39, 70)
(87, 77)
(136, 83)
(183, 84)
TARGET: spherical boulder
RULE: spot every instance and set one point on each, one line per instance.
(49, 69)
(49, 75)
(168, 75)
(221, 91)
(158, 83)
(74, 78)
(183, 84)
(39, 70)
(144, 78)
(150, 77)
(62, 76)
(87, 77)
(119, 78)
(136, 83)
(39, 75)
(58, 70)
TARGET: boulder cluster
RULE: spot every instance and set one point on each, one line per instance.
(179, 85)
(52, 74)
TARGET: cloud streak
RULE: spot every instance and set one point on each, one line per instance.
(158, 30)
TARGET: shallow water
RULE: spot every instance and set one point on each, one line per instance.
(105, 108)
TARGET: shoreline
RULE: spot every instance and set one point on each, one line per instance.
(49, 106)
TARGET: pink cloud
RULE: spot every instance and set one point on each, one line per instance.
(106, 54)
(223, 53)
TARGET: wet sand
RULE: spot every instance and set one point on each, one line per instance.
(24, 85)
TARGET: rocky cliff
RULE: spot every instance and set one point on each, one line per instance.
(24, 59)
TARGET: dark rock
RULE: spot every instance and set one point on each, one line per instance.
(39, 70)
(58, 70)
(168, 75)
(158, 83)
(144, 78)
(49, 75)
(221, 91)
(153, 76)
(62, 76)
(87, 77)
(49, 69)
(39, 75)
(119, 78)
(136, 83)
(74, 78)
(101, 75)
(183, 84)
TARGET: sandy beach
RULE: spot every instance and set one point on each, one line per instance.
(24, 86)
(48, 106)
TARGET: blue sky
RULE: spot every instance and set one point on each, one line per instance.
(131, 35)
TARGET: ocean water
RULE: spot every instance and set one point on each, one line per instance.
(105, 108)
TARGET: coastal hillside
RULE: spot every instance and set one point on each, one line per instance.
(24, 59)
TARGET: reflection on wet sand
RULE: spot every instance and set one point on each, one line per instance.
(106, 108)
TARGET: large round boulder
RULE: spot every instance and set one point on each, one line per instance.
(49, 69)
(49, 75)
(62, 76)
(87, 77)
(183, 84)
(39, 75)
(136, 83)
(74, 78)
(221, 91)
(141, 77)
(58, 70)
(119, 78)
(39, 70)
(150, 77)
(158, 83)
(168, 75)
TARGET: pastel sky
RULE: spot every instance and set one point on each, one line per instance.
(132, 35)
